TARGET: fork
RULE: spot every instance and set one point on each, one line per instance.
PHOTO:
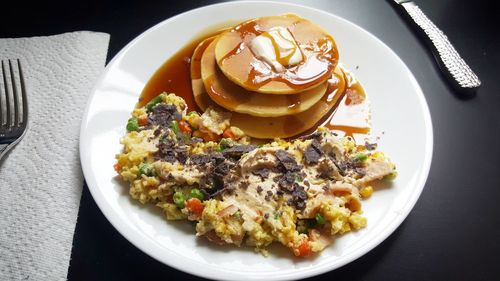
(13, 107)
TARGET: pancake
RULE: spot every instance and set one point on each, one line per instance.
(241, 66)
(199, 93)
(291, 125)
(235, 98)
(284, 126)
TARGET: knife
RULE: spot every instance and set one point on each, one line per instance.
(459, 74)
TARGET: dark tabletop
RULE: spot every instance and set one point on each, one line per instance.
(453, 233)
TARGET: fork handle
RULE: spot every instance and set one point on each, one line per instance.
(452, 65)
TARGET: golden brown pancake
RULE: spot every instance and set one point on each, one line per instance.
(235, 98)
(199, 93)
(284, 126)
(292, 125)
(241, 66)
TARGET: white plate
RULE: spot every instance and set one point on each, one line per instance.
(398, 109)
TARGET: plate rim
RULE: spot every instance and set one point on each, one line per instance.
(223, 274)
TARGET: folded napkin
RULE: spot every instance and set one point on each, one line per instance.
(40, 179)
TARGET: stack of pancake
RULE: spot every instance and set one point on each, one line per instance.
(280, 89)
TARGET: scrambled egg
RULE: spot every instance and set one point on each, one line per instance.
(298, 193)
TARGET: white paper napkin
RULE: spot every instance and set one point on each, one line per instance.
(41, 180)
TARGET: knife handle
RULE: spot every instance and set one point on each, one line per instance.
(449, 61)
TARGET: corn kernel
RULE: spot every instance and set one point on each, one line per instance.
(366, 191)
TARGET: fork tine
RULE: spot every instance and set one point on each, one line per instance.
(14, 94)
(7, 96)
(24, 95)
(1, 102)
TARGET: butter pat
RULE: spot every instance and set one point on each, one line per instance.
(278, 48)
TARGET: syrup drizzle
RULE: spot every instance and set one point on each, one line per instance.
(317, 64)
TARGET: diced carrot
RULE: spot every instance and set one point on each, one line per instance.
(118, 167)
(228, 134)
(303, 250)
(184, 127)
(143, 120)
(195, 206)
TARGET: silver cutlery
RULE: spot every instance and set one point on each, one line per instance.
(451, 64)
(13, 106)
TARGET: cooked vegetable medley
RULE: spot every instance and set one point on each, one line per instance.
(300, 193)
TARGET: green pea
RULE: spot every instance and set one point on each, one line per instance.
(360, 157)
(320, 219)
(196, 193)
(146, 169)
(224, 143)
(175, 127)
(179, 199)
(132, 124)
(154, 101)
(193, 113)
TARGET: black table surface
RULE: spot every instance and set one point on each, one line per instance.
(453, 232)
